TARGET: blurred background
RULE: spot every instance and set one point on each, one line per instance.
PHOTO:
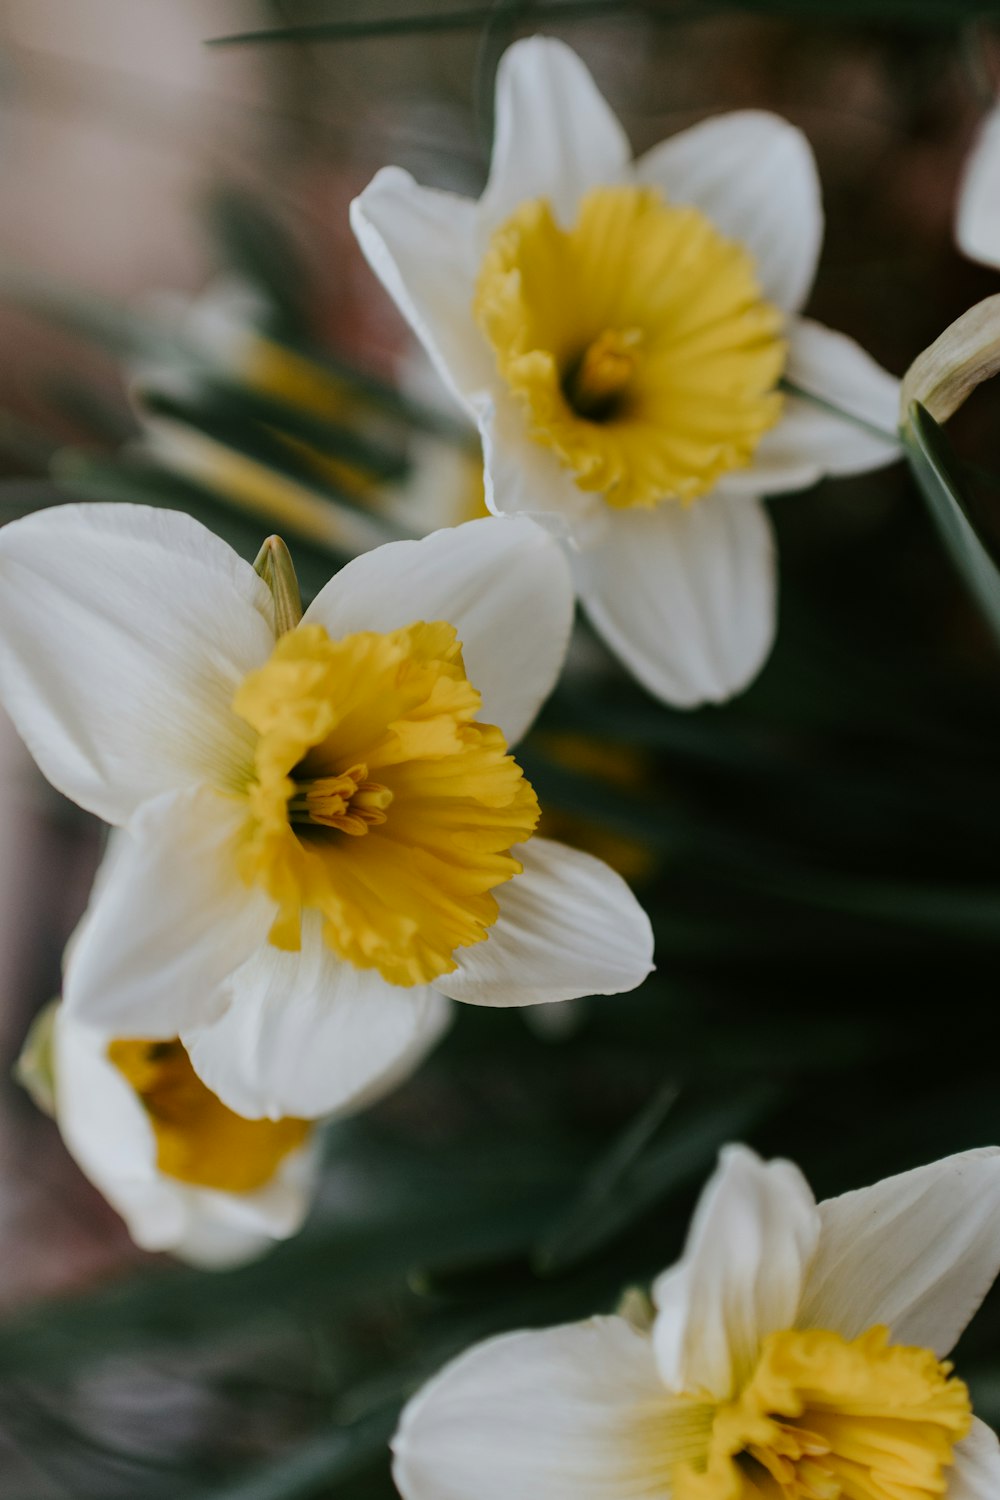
(821, 858)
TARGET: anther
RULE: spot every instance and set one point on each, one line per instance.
(348, 802)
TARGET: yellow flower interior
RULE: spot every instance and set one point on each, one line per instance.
(377, 800)
(637, 341)
(199, 1140)
(824, 1418)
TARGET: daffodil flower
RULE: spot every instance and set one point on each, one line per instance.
(185, 1173)
(627, 336)
(325, 832)
(797, 1352)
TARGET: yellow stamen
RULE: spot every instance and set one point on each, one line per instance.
(637, 342)
(824, 1418)
(199, 1140)
(349, 802)
(373, 736)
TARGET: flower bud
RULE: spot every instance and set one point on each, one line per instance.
(35, 1068)
(275, 566)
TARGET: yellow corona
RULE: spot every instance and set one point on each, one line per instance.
(637, 342)
(377, 800)
(198, 1140)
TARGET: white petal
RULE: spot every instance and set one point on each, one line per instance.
(421, 244)
(740, 1277)
(570, 1413)
(977, 227)
(229, 1229)
(685, 596)
(813, 438)
(568, 926)
(170, 922)
(306, 1035)
(976, 1475)
(523, 477)
(108, 1134)
(754, 175)
(917, 1252)
(211, 1245)
(124, 632)
(555, 135)
(504, 585)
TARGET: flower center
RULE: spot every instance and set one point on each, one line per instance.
(595, 382)
(376, 799)
(199, 1140)
(824, 1418)
(637, 342)
(349, 802)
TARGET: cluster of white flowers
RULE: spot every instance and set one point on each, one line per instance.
(321, 839)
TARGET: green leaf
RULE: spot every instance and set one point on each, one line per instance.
(257, 245)
(237, 420)
(218, 441)
(915, 13)
(935, 469)
(463, 19)
(236, 403)
(316, 1465)
(386, 398)
(633, 1175)
(968, 913)
(949, 14)
(605, 1179)
(393, 1206)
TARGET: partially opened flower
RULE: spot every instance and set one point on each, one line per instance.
(797, 1353)
(326, 833)
(185, 1173)
(627, 336)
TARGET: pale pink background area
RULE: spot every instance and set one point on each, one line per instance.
(113, 120)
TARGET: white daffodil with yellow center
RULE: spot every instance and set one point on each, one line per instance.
(186, 1174)
(798, 1352)
(626, 334)
(325, 832)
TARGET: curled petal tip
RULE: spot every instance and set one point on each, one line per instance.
(947, 372)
